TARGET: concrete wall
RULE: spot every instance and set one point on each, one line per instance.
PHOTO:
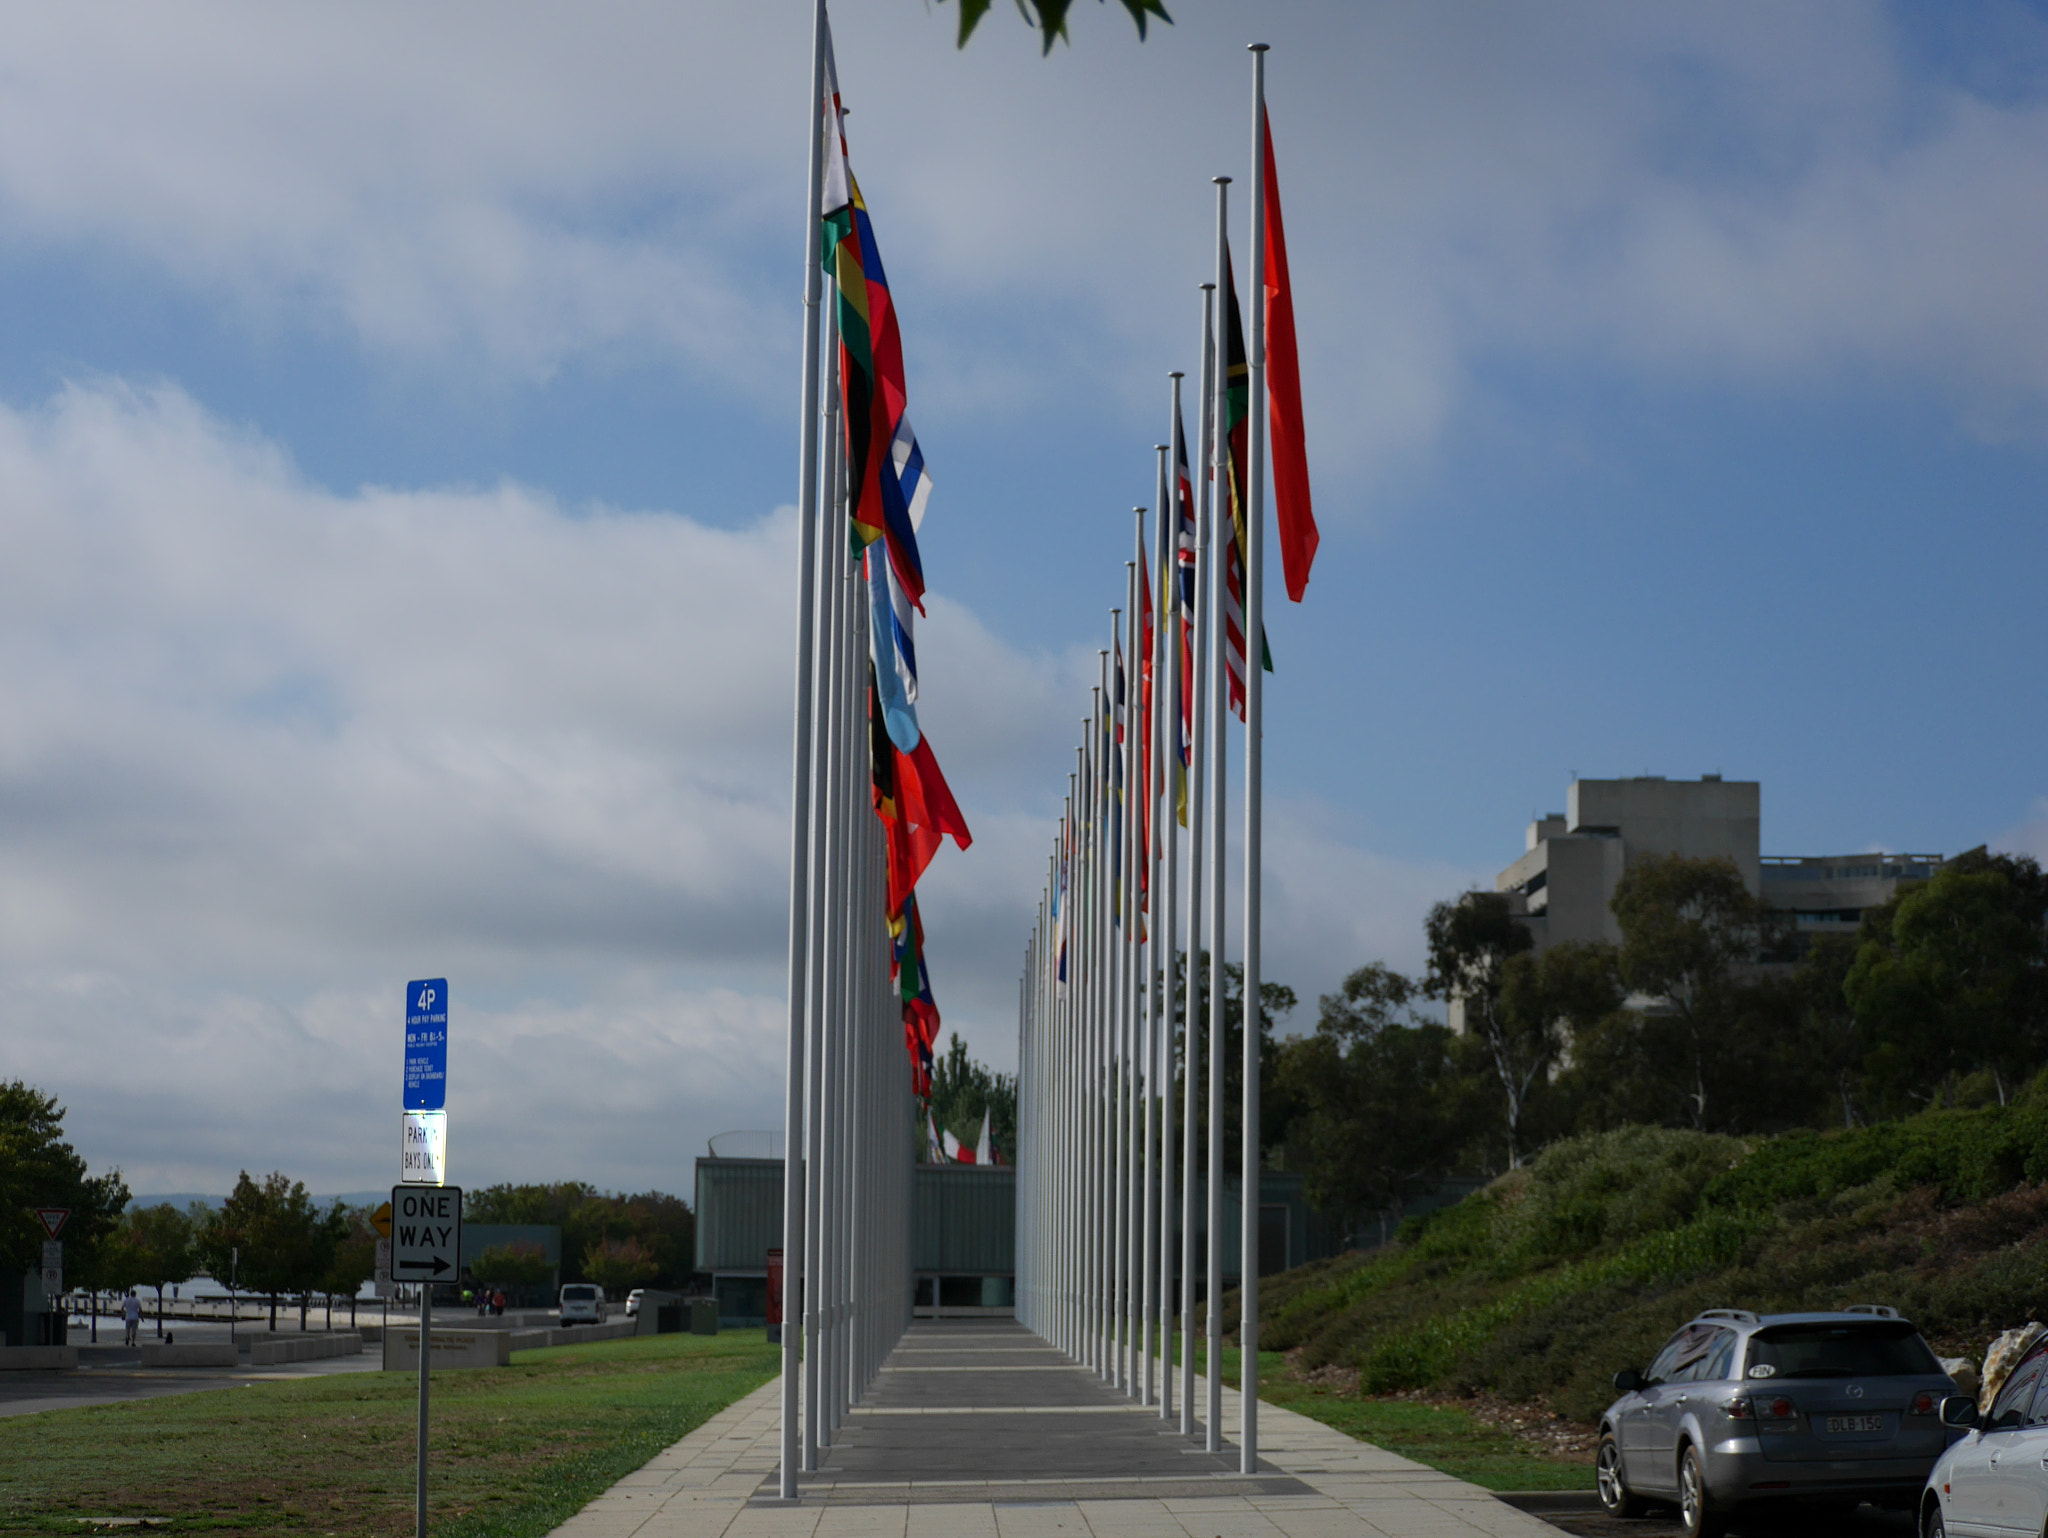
(37, 1358)
(451, 1348)
(1700, 819)
(276, 1350)
(199, 1353)
(739, 1213)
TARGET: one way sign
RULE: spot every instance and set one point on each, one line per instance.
(426, 1233)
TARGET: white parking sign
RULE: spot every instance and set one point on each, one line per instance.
(426, 1233)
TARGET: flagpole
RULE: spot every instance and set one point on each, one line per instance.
(1191, 978)
(1165, 872)
(823, 812)
(800, 832)
(1219, 668)
(1144, 951)
(1254, 687)
(1100, 1153)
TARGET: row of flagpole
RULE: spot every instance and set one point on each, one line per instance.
(870, 807)
(1100, 1198)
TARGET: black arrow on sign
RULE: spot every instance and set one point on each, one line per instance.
(439, 1265)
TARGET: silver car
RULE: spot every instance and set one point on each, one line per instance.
(1740, 1410)
(1994, 1481)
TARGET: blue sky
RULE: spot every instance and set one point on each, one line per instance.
(397, 422)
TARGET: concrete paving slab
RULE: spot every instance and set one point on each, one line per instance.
(988, 1432)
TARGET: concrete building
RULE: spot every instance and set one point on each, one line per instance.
(1563, 884)
(964, 1232)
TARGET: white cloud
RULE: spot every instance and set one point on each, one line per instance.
(493, 190)
(274, 750)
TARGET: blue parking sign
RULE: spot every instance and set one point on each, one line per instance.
(426, 1045)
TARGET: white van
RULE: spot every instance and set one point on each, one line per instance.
(582, 1303)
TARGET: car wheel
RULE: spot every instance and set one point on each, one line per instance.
(1934, 1527)
(1615, 1498)
(1695, 1507)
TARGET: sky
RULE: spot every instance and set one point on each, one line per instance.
(398, 424)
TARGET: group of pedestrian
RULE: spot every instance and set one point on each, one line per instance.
(491, 1300)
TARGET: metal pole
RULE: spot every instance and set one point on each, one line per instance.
(1254, 692)
(801, 769)
(419, 1484)
(1219, 665)
(1166, 872)
(1126, 912)
(1197, 750)
(1144, 897)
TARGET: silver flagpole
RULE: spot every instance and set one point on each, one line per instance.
(1098, 1156)
(1128, 1247)
(1144, 895)
(800, 815)
(1254, 691)
(1191, 984)
(823, 813)
(1219, 667)
(1074, 1144)
(1119, 1063)
(821, 949)
(1165, 872)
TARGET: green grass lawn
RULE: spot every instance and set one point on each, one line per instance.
(1441, 1436)
(514, 1450)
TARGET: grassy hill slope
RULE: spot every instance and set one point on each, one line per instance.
(1541, 1286)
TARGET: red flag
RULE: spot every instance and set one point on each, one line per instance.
(1298, 536)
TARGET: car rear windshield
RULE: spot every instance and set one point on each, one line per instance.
(1891, 1348)
(578, 1294)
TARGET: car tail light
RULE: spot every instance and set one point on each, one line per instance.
(1778, 1409)
(1923, 1403)
(1739, 1409)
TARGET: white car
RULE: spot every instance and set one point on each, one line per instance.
(1993, 1483)
(633, 1303)
(582, 1303)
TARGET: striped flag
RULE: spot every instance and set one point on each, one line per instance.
(870, 359)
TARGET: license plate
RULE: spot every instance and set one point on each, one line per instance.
(1845, 1423)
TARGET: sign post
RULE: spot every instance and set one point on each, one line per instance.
(425, 1223)
(426, 1246)
(424, 1136)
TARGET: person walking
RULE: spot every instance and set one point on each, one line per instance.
(131, 1315)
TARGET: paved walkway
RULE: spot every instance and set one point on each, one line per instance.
(979, 1429)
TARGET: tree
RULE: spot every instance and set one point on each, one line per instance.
(156, 1250)
(663, 1224)
(1384, 1110)
(1050, 17)
(1718, 1046)
(1471, 941)
(522, 1263)
(38, 1168)
(284, 1242)
(1951, 978)
(1277, 1104)
(619, 1265)
(964, 1092)
(352, 1261)
(1829, 1023)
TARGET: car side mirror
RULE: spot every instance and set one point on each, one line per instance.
(1628, 1380)
(1959, 1410)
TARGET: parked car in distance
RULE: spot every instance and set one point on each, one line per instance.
(1742, 1410)
(582, 1303)
(1993, 1481)
(633, 1302)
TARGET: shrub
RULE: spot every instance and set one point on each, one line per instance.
(1607, 1188)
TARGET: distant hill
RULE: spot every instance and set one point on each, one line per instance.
(183, 1199)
